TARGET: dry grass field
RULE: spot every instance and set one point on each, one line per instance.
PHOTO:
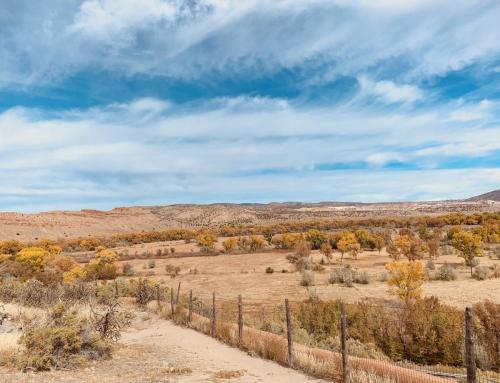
(232, 274)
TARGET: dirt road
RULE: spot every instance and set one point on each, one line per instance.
(157, 351)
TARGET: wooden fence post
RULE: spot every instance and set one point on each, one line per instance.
(158, 295)
(240, 320)
(470, 356)
(116, 290)
(172, 304)
(178, 292)
(289, 333)
(213, 315)
(190, 313)
(343, 345)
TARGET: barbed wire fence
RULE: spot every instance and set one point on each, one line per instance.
(270, 330)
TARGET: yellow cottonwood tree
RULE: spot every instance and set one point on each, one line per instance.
(348, 243)
(469, 245)
(406, 280)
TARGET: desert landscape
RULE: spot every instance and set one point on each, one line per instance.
(313, 255)
(286, 191)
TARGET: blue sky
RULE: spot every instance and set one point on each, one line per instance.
(107, 103)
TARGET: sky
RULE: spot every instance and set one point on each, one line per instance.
(107, 103)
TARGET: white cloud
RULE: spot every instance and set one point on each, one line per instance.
(112, 155)
(390, 92)
(189, 39)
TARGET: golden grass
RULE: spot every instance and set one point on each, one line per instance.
(228, 374)
(233, 274)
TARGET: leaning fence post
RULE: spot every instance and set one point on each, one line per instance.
(190, 313)
(470, 357)
(289, 333)
(178, 292)
(172, 304)
(343, 345)
(213, 315)
(240, 320)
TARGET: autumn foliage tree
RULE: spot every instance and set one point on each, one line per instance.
(379, 242)
(469, 245)
(410, 246)
(102, 266)
(326, 250)
(433, 245)
(348, 244)
(206, 242)
(315, 238)
(406, 280)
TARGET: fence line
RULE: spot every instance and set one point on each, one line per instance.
(343, 364)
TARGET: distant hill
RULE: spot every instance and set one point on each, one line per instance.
(68, 224)
(491, 196)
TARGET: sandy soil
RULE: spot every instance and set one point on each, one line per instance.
(158, 351)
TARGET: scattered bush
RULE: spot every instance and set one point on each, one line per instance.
(269, 270)
(446, 273)
(348, 276)
(128, 270)
(151, 264)
(172, 270)
(361, 277)
(430, 265)
(32, 293)
(206, 242)
(495, 271)
(481, 273)
(62, 340)
(229, 245)
(109, 322)
(307, 278)
(344, 276)
(145, 292)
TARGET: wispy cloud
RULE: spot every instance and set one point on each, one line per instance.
(107, 102)
(193, 38)
(191, 150)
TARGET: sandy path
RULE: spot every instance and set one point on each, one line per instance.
(158, 351)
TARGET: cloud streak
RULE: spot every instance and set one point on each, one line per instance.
(107, 102)
(191, 39)
(150, 147)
